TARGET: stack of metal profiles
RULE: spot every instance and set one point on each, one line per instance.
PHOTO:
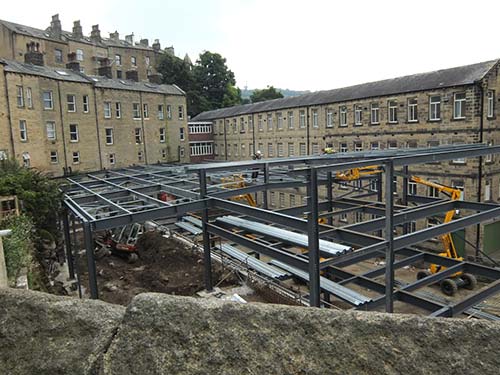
(326, 247)
(253, 263)
(330, 286)
(189, 227)
(192, 220)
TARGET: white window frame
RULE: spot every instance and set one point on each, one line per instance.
(412, 188)
(29, 98)
(76, 157)
(20, 96)
(169, 112)
(272, 198)
(182, 134)
(459, 106)
(118, 110)
(50, 129)
(85, 104)
(290, 120)
(180, 110)
(136, 111)
(435, 108)
(390, 145)
(269, 122)
(375, 114)
(48, 103)
(23, 131)
(358, 115)
(270, 150)
(358, 146)
(376, 144)
(202, 148)
(291, 149)
(392, 106)
(279, 116)
(112, 158)
(138, 136)
(161, 112)
(343, 147)
(343, 116)
(74, 135)
(329, 118)
(145, 111)
(71, 103)
(54, 158)
(163, 135)
(118, 59)
(79, 54)
(315, 148)
(109, 136)
(491, 103)
(315, 120)
(260, 123)
(412, 110)
(107, 109)
(302, 119)
(302, 149)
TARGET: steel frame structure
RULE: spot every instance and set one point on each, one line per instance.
(113, 198)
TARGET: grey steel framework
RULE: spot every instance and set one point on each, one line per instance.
(114, 198)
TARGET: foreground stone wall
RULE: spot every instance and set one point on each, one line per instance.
(160, 334)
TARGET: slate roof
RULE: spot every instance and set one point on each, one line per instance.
(45, 34)
(459, 76)
(101, 82)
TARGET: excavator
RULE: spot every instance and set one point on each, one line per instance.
(449, 286)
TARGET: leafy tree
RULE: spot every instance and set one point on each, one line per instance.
(266, 94)
(176, 71)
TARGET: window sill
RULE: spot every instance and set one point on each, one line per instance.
(374, 123)
(413, 122)
(357, 125)
(459, 119)
(438, 120)
(392, 122)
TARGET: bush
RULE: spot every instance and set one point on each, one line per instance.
(17, 246)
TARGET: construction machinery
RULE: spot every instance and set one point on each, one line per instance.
(449, 286)
(238, 182)
(120, 242)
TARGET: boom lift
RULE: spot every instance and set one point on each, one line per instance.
(450, 285)
(238, 182)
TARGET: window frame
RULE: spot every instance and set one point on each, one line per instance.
(20, 96)
(86, 104)
(52, 130)
(23, 131)
(461, 103)
(434, 108)
(343, 116)
(74, 135)
(412, 113)
(374, 113)
(107, 109)
(71, 103)
(109, 136)
(392, 109)
(118, 109)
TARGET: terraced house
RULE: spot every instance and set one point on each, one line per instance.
(451, 106)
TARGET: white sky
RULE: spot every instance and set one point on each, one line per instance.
(297, 44)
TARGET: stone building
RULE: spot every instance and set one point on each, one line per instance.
(97, 55)
(451, 106)
(60, 120)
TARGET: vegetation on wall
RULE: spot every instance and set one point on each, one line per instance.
(18, 245)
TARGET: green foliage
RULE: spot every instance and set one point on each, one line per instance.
(266, 94)
(17, 246)
(209, 84)
(40, 196)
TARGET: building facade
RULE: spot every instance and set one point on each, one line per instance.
(62, 121)
(446, 107)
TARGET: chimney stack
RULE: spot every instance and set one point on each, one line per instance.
(156, 45)
(74, 66)
(144, 42)
(55, 26)
(95, 34)
(77, 30)
(132, 75)
(115, 36)
(155, 78)
(105, 71)
(129, 38)
(33, 54)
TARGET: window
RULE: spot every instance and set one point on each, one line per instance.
(228, 150)
(489, 158)
(375, 145)
(290, 120)
(393, 111)
(118, 60)
(280, 150)
(279, 115)
(163, 153)
(216, 149)
(181, 112)
(269, 121)
(358, 217)
(119, 74)
(236, 149)
(181, 134)
(260, 123)
(435, 108)
(85, 103)
(459, 160)
(433, 144)
(302, 149)
(71, 103)
(147, 60)
(432, 192)
(138, 136)
(459, 106)
(79, 55)
(412, 188)
(243, 150)
(242, 125)
(133, 60)
(53, 157)
(373, 184)
(221, 127)
(250, 123)
(163, 135)
(329, 118)
(302, 119)
(50, 127)
(491, 104)
(109, 136)
(23, 130)
(76, 157)
(395, 185)
(118, 110)
(136, 111)
(169, 112)
(282, 199)
(73, 133)
(29, 98)
(375, 114)
(343, 147)
(200, 128)
(111, 158)
(181, 152)
(292, 200)
(315, 149)
(140, 156)
(358, 115)
(343, 217)
(160, 112)
(145, 110)
(58, 56)
(459, 184)
(343, 116)
(487, 190)
(20, 96)
(315, 123)
(272, 198)
(291, 149)
(412, 226)
(202, 148)
(392, 145)
(270, 150)
(358, 146)
(107, 109)
(412, 110)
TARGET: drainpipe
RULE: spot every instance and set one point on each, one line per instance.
(253, 133)
(225, 138)
(480, 167)
(97, 128)
(142, 127)
(307, 130)
(9, 116)
(62, 127)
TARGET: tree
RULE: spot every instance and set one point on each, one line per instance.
(266, 94)
(215, 82)
(176, 71)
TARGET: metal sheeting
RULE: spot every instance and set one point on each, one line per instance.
(189, 227)
(192, 220)
(330, 286)
(253, 263)
(327, 247)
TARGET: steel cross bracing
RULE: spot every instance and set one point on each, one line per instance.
(113, 198)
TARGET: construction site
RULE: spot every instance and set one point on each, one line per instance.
(209, 223)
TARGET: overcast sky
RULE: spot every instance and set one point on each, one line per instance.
(296, 44)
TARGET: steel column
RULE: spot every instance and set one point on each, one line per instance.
(207, 258)
(405, 194)
(313, 240)
(329, 195)
(389, 236)
(265, 203)
(89, 248)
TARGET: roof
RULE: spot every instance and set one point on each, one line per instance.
(459, 76)
(61, 74)
(68, 35)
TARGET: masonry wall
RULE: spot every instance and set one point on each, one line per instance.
(5, 134)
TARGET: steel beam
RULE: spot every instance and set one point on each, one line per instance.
(207, 260)
(89, 249)
(389, 236)
(313, 241)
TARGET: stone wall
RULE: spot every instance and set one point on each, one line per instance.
(160, 334)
